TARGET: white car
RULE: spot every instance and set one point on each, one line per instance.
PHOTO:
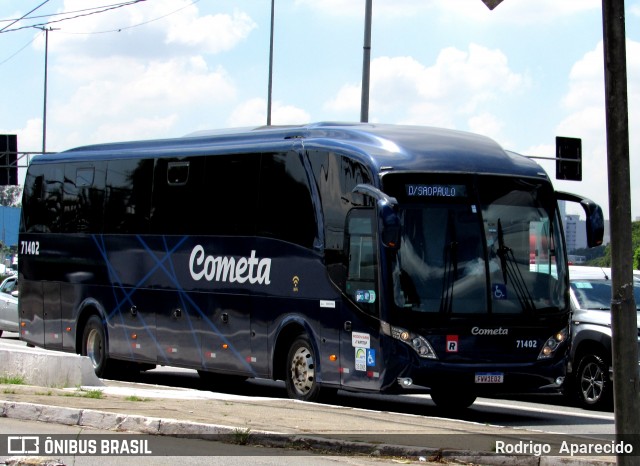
(9, 305)
(590, 381)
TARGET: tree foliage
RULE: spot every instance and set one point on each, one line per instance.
(10, 196)
(605, 259)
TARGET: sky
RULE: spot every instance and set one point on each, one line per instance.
(117, 70)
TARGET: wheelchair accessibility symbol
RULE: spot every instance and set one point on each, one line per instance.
(499, 291)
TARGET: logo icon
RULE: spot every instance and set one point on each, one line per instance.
(296, 281)
(452, 343)
(23, 444)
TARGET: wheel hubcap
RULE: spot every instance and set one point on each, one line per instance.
(302, 371)
(592, 383)
(94, 347)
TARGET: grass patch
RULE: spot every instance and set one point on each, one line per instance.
(136, 398)
(82, 393)
(241, 436)
(11, 380)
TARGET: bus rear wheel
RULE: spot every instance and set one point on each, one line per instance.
(94, 345)
(301, 379)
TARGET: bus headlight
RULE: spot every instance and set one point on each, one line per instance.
(553, 343)
(419, 344)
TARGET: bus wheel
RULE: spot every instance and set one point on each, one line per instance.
(94, 345)
(450, 399)
(301, 371)
(592, 386)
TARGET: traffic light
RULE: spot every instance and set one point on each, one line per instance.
(568, 158)
(8, 159)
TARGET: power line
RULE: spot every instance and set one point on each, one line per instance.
(136, 25)
(49, 15)
(20, 50)
(47, 23)
(27, 14)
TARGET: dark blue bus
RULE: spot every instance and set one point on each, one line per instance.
(331, 256)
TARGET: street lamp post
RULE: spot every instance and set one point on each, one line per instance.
(44, 111)
(46, 66)
(270, 85)
(366, 64)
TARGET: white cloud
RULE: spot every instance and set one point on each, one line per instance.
(459, 86)
(216, 33)
(253, 112)
(158, 28)
(486, 124)
(585, 104)
(150, 96)
(512, 11)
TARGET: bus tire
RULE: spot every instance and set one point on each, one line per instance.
(451, 399)
(301, 380)
(592, 386)
(94, 345)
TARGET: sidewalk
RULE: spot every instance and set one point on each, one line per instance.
(158, 410)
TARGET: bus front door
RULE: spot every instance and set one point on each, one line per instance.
(359, 336)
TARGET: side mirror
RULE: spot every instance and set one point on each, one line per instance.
(595, 218)
(389, 224)
(388, 220)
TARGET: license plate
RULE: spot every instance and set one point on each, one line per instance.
(489, 377)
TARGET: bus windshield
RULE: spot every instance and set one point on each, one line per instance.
(480, 245)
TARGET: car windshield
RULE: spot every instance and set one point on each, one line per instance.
(478, 246)
(596, 293)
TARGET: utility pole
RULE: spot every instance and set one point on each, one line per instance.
(623, 308)
(366, 64)
(270, 85)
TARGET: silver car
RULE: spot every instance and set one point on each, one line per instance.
(9, 305)
(590, 381)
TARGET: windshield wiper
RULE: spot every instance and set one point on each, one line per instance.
(511, 271)
(450, 267)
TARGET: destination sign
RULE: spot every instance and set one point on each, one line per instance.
(436, 190)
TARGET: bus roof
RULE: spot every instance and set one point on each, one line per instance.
(382, 147)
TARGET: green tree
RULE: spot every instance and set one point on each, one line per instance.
(10, 196)
(605, 259)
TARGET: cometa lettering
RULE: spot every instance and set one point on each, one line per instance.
(229, 269)
(489, 331)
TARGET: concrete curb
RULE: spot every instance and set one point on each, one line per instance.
(172, 427)
(47, 368)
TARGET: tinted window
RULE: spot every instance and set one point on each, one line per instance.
(42, 198)
(286, 209)
(335, 177)
(83, 198)
(231, 195)
(128, 199)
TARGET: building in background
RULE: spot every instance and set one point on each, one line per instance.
(576, 234)
(9, 224)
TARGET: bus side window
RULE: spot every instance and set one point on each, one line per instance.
(284, 195)
(361, 285)
(128, 196)
(43, 199)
